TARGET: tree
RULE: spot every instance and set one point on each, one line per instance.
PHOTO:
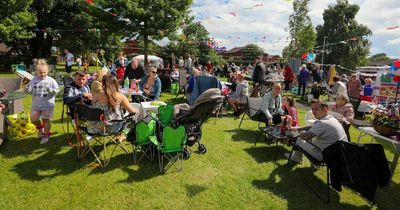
(15, 20)
(75, 25)
(152, 20)
(192, 41)
(339, 25)
(301, 31)
(379, 57)
(250, 52)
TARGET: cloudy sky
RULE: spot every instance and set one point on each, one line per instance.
(265, 22)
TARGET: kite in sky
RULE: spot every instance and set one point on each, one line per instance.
(254, 6)
(392, 27)
(232, 13)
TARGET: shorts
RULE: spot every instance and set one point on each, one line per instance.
(44, 114)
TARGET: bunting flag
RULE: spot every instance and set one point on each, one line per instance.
(392, 27)
(89, 1)
(232, 13)
(219, 17)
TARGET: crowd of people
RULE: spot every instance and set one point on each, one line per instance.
(328, 122)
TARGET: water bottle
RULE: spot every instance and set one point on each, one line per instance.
(126, 83)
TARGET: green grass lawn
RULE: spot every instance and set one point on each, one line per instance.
(233, 174)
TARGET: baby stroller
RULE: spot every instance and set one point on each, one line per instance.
(206, 104)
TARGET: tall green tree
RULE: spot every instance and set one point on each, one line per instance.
(250, 52)
(192, 41)
(301, 31)
(152, 20)
(74, 25)
(339, 25)
(15, 20)
(379, 57)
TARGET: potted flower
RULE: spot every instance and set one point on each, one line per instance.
(385, 123)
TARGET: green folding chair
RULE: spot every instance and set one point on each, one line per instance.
(171, 148)
(166, 114)
(142, 143)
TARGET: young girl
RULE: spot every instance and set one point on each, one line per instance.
(43, 89)
(288, 105)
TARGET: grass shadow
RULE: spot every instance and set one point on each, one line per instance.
(193, 190)
(54, 161)
(295, 185)
(245, 135)
(267, 153)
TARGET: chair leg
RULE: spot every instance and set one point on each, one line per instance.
(291, 153)
(328, 197)
(242, 119)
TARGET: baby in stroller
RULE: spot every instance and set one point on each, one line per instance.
(192, 117)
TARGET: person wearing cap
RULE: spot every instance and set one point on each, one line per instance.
(345, 112)
(77, 90)
(325, 132)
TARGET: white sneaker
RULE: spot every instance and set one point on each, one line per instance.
(44, 140)
(295, 157)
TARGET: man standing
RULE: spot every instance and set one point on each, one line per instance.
(188, 64)
(69, 61)
(78, 90)
(326, 130)
(134, 71)
(304, 74)
(258, 75)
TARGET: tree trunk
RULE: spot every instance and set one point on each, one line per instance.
(41, 46)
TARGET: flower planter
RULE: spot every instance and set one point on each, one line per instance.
(384, 130)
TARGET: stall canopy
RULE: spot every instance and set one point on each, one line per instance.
(152, 59)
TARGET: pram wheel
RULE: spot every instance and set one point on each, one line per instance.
(186, 154)
(202, 148)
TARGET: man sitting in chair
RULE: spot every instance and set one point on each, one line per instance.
(326, 130)
(78, 90)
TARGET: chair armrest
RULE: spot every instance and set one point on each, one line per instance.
(153, 140)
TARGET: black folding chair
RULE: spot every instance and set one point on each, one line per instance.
(87, 140)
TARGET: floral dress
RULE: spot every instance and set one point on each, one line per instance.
(107, 126)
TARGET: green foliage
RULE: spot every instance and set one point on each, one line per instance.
(79, 27)
(379, 57)
(192, 41)
(250, 52)
(15, 20)
(340, 24)
(149, 20)
(301, 31)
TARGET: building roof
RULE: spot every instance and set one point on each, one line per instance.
(234, 50)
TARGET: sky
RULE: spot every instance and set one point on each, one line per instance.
(236, 23)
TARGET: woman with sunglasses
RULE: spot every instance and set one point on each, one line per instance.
(151, 84)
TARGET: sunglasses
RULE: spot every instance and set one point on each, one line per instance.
(154, 72)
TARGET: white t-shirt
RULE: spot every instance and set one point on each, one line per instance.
(69, 58)
(328, 130)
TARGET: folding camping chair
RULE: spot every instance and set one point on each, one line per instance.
(171, 147)
(253, 105)
(84, 115)
(142, 143)
(182, 83)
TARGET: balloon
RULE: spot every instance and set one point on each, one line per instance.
(396, 63)
(393, 68)
(396, 78)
